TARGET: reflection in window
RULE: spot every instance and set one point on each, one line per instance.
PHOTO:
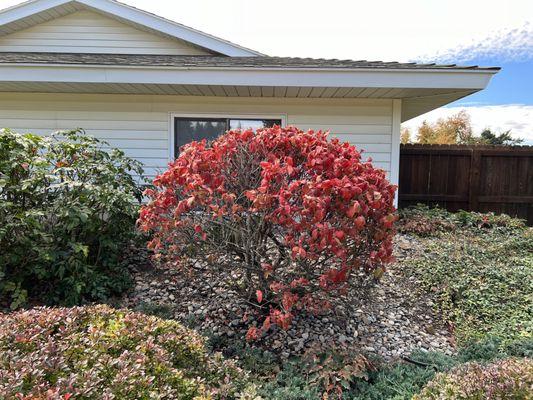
(253, 123)
(189, 129)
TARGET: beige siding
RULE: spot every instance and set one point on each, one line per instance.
(89, 32)
(140, 124)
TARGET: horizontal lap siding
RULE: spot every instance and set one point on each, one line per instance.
(89, 32)
(368, 127)
(139, 124)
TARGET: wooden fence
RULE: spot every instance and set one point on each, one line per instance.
(475, 178)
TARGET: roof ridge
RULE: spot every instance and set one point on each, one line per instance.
(186, 26)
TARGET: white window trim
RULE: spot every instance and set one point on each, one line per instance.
(171, 130)
(394, 177)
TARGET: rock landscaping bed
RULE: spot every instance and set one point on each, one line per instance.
(395, 321)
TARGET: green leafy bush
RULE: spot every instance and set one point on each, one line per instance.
(504, 379)
(67, 209)
(101, 353)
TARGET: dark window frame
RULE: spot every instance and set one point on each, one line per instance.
(227, 121)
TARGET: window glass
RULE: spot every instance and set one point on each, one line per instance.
(189, 129)
(252, 123)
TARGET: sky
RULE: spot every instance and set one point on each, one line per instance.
(468, 32)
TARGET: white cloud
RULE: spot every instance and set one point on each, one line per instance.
(510, 44)
(517, 117)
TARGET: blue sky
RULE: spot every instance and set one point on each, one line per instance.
(507, 103)
(479, 32)
(512, 85)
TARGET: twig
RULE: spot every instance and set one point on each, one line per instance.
(419, 363)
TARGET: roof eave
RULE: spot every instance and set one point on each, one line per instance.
(378, 78)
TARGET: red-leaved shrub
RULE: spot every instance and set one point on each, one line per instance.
(292, 217)
(100, 353)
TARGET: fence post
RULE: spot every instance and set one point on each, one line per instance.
(475, 173)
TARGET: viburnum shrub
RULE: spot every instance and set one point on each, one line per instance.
(294, 217)
(67, 210)
(90, 353)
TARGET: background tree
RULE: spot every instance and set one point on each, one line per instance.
(425, 134)
(405, 136)
(503, 139)
(456, 129)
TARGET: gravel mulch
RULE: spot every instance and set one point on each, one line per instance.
(395, 320)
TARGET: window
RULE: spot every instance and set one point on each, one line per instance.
(188, 129)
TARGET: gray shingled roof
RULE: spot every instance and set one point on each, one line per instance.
(215, 61)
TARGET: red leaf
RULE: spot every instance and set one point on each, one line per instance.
(339, 235)
(259, 295)
(266, 324)
(354, 209)
(253, 333)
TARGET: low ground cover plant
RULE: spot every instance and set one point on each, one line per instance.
(67, 209)
(293, 217)
(481, 273)
(376, 380)
(101, 353)
(504, 379)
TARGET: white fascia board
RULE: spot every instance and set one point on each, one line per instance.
(449, 79)
(27, 9)
(135, 16)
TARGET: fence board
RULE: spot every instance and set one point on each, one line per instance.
(475, 178)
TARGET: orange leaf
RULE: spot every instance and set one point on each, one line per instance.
(266, 324)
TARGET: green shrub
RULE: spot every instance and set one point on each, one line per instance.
(317, 374)
(101, 353)
(397, 382)
(291, 383)
(67, 209)
(504, 379)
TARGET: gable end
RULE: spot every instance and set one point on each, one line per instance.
(89, 32)
(36, 12)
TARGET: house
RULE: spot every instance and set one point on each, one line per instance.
(147, 84)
